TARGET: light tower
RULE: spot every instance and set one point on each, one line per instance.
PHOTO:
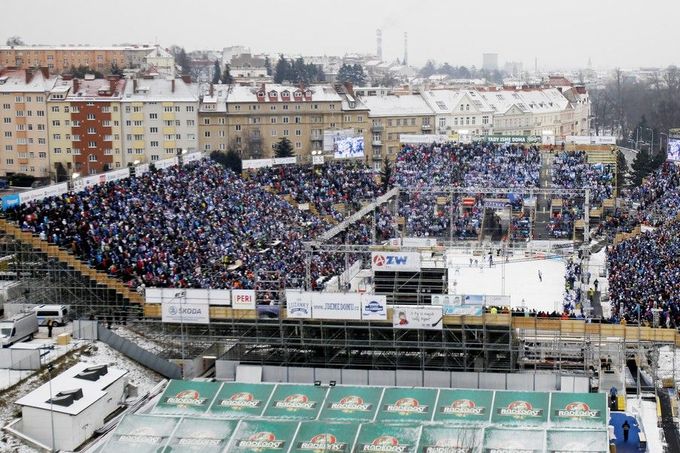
(405, 48)
(378, 39)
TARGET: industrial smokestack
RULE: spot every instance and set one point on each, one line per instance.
(405, 48)
(378, 39)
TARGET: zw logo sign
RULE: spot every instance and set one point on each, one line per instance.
(374, 307)
(389, 260)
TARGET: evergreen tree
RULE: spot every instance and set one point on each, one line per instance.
(217, 73)
(283, 70)
(226, 76)
(116, 70)
(284, 148)
(183, 60)
(351, 73)
(386, 174)
(231, 160)
(642, 166)
(429, 69)
(268, 65)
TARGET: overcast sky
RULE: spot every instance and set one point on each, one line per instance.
(564, 34)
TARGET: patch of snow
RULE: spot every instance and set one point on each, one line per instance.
(646, 410)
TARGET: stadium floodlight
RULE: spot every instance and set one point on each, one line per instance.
(136, 162)
(75, 175)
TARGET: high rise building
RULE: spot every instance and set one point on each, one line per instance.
(490, 61)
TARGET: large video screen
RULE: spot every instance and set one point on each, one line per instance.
(349, 147)
(674, 148)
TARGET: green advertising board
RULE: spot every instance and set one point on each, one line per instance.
(351, 403)
(499, 440)
(512, 139)
(296, 401)
(578, 410)
(260, 436)
(237, 400)
(520, 408)
(325, 437)
(449, 439)
(590, 441)
(379, 437)
(194, 435)
(186, 397)
(141, 433)
(407, 404)
(463, 406)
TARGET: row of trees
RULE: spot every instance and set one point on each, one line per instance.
(460, 72)
(296, 71)
(352, 73)
(220, 76)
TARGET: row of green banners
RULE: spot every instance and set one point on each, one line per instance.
(383, 404)
(160, 434)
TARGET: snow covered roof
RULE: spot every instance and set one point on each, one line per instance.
(25, 80)
(271, 93)
(69, 381)
(527, 101)
(160, 90)
(392, 105)
(81, 90)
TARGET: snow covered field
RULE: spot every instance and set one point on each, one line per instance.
(517, 278)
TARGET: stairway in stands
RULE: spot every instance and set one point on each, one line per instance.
(71, 261)
(542, 201)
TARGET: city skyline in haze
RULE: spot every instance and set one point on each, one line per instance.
(609, 33)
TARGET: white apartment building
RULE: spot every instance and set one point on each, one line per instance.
(160, 119)
(460, 112)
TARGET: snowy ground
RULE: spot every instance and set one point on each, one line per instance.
(518, 278)
(647, 413)
(668, 367)
(81, 351)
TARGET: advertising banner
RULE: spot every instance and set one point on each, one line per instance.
(673, 148)
(141, 433)
(395, 261)
(447, 299)
(589, 441)
(473, 299)
(324, 437)
(191, 157)
(141, 169)
(9, 201)
(463, 406)
(263, 437)
(578, 410)
(449, 439)
(497, 301)
(496, 203)
(512, 139)
(373, 307)
(243, 299)
(116, 175)
(379, 437)
(296, 401)
(186, 397)
(239, 400)
(498, 440)
(178, 311)
(407, 404)
(463, 310)
(417, 139)
(520, 408)
(417, 317)
(165, 163)
(198, 435)
(351, 403)
(43, 192)
(298, 304)
(336, 306)
(591, 139)
(262, 163)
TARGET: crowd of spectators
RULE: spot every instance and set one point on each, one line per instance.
(324, 186)
(658, 197)
(571, 170)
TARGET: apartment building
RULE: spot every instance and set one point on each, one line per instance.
(159, 118)
(460, 112)
(392, 116)
(252, 120)
(58, 59)
(23, 129)
(85, 126)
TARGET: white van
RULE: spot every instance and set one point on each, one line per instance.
(57, 313)
(18, 328)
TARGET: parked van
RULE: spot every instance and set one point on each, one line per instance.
(18, 328)
(57, 313)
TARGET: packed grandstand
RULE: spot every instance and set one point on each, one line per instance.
(202, 226)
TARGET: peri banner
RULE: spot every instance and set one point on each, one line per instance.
(406, 404)
(298, 304)
(324, 437)
(380, 437)
(263, 437)
(336, 306)
(243, 299)
(578, 410)
(395, 261)
(198, 435)
(520, 408)
(449, 439)
(499, 440)
(417, 317)
(186, 397)
(373, 307)
(296, 401)
(587, 441)
(345, 403)
(463, 406)
(240, 400)
(178, 311)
